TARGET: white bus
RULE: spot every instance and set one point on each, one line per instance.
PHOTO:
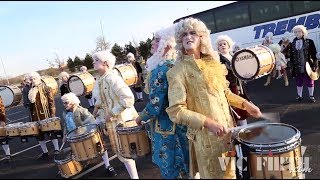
(247, 22)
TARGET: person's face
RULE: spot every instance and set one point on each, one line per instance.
(98, 64)
(67, 105)
(35, 80)
(155, 44)
(223, 47)
(268, 38)
(298, 33)
(190, 40)
(130, 58)
(27, 81)
(65, 79)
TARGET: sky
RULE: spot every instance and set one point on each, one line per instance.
(33, 32)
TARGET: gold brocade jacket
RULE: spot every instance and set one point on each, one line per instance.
(198, 89)
(43, 109)
(2, 111)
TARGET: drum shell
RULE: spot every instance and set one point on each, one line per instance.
(68, 167)
(3, 132)
(133, 140)
(12, 130)
(50, 82)
(29, 129)
(87, 83)
(253, 62)
(11, 95)
(128, 73)
(51, 124)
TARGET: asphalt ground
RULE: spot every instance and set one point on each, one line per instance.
(275, 98)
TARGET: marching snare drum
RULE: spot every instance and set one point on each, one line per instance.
(50, 124)
(133, 139)
(86, 142)
(11, 95)
(50, 82)
(81, 84)
(13, 129)
(253, 63)
(3, 131)
(127, 72)
(29, 129)
(66, 164)
(272, 151)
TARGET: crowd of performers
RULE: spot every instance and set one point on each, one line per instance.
(192, 92)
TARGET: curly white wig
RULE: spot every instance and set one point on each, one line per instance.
(63, 74)
(286, 36)
(201, 29)
(105, 56)
(224, 38)
(83, 68)
(166, 36)
(269, 35)
(71, 98)
(302, 28)
(26, 77)
(275, 48)
(130, 54)
(36, 76)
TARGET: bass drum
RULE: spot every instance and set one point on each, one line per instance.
(81, 84)
(51, 82)
(127, 72)
(11, 95)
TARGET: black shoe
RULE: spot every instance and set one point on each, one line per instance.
(299, 98)
(56, 152)
(312, 99)
(111, 172)
(43, 156)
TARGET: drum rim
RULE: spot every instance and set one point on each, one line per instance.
(63, 161)
(286, 142)
(82, 136)
(48, 119)
(129, 130)
(13, 102)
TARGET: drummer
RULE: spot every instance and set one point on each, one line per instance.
(83, 69)
(63, 78)
(42, 107)
(4, 140)
(77, 116)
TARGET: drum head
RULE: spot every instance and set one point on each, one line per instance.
(245, 64)
(82, 132)
(64, 155)
(270, 133)
(7, 95)
(76, 85)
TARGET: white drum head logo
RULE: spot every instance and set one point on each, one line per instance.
(246, 65)
(6, 95)
(76, 85)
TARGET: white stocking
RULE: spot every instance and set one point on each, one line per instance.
(6, 149)
(132, 169)
(55, 144)
(105, 158)
(43, 146)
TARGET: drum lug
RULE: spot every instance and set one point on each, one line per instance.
(133, 150)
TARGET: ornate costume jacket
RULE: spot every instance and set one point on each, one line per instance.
(25, 92)
(116, 97)
(198, 89)
(2, 111)
(80, 117)
(44, 106)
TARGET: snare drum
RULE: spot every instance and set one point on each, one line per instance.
(66, 164)
(86, 142)
(50, 124)
(127, 72)
(81, 84)
(253, 63)
(272, 151)
(133, 140)
(50, 82)
(3, 131)
(29, 129)
(13, 129)
(11, 95)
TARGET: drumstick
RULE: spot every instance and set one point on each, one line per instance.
(62, 146)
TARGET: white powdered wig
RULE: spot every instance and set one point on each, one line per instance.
(105, 56)
(83, 68)
(269, 35)
(26, 77)
(302, 28)
(71, 98)
(275, 48)
(36, 76)
(64, 74)
(201, 30)
(286, 36)
(166, 36)
(130, 55)
(224, 38)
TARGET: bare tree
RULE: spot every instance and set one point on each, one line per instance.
(57, 62)
(101, 44)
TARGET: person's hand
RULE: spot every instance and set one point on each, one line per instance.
(108, 117)
(138, 120)
(216, 128)
(252, 109)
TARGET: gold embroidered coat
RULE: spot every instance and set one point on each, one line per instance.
(198, 89)
(2, 111)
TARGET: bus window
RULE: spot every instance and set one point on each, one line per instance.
(231, 18)
(300, 7)
(208, 20)
(262, 11)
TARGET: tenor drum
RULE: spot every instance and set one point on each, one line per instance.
(81, 84)
(133, 140)
(11, 95)
(127, 72)
(50, 124)
(13, 129)
(66, 164)
(3, 131)
(86, 142)
(273, 151)
(29, 129)
(253, 63)
(50, 82)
